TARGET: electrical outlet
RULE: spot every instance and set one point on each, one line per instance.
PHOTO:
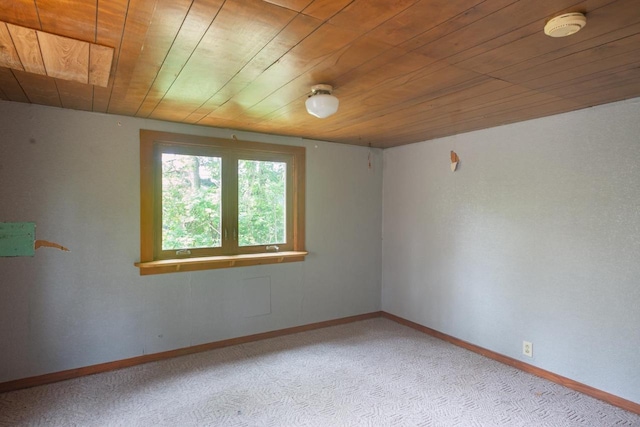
(527, 348)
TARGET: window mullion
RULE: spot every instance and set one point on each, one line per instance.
(230, 203)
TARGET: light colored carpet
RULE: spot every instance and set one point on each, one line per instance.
(369, 373)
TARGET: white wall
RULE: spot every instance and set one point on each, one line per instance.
(76, 175)
(536, 237)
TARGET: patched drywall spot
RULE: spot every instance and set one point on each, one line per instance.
(256, 296)
(17, 238)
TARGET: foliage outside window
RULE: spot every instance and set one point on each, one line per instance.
(212, 203)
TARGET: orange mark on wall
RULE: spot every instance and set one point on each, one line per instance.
(48, 244)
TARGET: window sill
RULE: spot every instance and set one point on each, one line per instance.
(209, 263)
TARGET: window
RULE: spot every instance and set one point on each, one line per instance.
(215, 203)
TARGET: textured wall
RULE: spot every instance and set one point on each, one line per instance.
(536, 237)
(76, 175)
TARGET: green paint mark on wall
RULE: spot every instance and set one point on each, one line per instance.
(17, 238)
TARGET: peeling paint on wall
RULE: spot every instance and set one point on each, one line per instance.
(19, 239)
(48, 244)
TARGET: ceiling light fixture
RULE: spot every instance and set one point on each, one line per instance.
(565, 25)
(321, 103)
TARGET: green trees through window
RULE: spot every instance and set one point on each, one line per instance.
(191, 201)
(261, 202)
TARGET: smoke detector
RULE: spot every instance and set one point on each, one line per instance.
(565, 25)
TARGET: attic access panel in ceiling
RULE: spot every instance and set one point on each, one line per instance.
(46, 54)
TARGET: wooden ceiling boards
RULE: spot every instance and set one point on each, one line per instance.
(404, 71)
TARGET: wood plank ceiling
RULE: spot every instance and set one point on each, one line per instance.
(404, 70)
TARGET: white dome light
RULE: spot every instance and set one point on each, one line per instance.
(321, 103)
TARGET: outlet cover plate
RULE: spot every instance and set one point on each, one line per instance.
(527, 348)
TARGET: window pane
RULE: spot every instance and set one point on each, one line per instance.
(191, 201)
(261, 202)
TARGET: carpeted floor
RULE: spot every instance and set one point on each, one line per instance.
(369, 373)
